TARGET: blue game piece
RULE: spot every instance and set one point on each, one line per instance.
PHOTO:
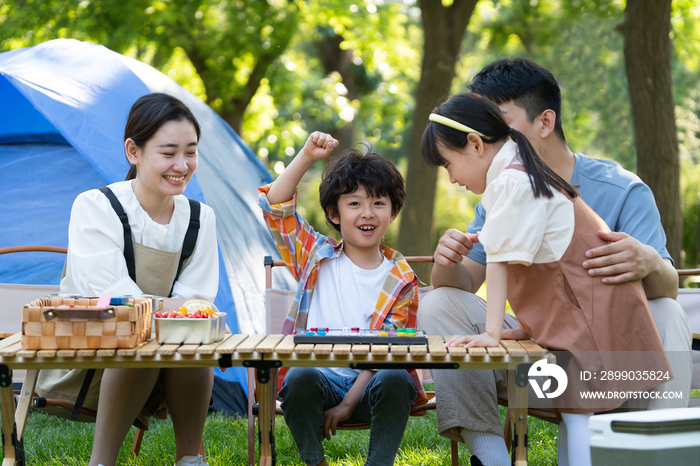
(119, 300)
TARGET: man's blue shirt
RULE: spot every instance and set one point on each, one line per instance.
(619, 196)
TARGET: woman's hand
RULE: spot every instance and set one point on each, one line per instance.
(480, 340)
(319, 145)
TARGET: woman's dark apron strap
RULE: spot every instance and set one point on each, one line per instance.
(128, 244)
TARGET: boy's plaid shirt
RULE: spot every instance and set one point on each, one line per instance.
(302, 250)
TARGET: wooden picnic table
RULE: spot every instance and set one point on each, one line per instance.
(265, 353)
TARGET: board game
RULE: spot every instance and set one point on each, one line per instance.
(358, 336)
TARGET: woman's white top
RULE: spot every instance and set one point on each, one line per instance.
(96, 261)
(520, 228)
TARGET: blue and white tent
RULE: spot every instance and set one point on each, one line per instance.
(64, 106)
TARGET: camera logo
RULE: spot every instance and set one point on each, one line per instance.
(542, 369)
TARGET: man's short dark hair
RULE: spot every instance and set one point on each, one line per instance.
(526, 83)
(351, 170)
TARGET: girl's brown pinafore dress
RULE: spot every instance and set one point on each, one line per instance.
(601, 327)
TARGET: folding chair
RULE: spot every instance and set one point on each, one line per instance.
(12, 298)
(277, 303)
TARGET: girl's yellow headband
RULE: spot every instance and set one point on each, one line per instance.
(454, 124)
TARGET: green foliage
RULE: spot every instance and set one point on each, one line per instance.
(228, 44)
(300, 97)
(263, 66)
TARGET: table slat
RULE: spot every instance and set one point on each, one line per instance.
(8, 342)
(380, 350)
(497, 351)
(533, 349)
(165, 350)
(131, 351)
(249, 344)
(83, 353)
(399, 350)
(268, 345)
(106, 353)
(26, 354)
(342, 350)
(230, 344)
(419, 351)
(149, 349)
(515, 349)
(211, 347)
(10, 351)
(360, 350)
(436, 346)
(458, 352)
(477, 352)
(188, 349)
(66, 353)
(304, 349)
(46, 353)
(323, 350)
(286, 346)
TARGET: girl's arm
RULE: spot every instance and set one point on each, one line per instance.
(496, 287)
(343, 411)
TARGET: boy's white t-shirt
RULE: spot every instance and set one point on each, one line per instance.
(345, 295)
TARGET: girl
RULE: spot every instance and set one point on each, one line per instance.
(535, 235)
(133, 238)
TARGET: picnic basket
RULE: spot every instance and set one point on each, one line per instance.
(57, 323)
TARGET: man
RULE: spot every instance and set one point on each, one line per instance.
(530, 100)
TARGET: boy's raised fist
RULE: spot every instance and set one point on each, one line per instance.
(319, 145)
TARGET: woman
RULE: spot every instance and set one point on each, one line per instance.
(145, 255)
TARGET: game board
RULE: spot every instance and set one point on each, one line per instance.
(356, 335)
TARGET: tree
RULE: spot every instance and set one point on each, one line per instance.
(443, 29)
(350, 70)
(647, 47)
(229, 43)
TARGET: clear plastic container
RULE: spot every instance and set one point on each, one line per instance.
(190, 331)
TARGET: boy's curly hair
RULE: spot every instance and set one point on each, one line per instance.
(352, 169)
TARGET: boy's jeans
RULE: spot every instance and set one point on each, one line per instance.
(386, 403)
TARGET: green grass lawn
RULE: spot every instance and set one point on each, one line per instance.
(53, 441)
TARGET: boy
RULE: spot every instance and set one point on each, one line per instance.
(356, 283)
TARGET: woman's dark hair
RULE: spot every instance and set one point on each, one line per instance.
(148, 114)
(482, 115)
(351, 170)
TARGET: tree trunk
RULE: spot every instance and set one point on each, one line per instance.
(334, 58)
(443, 30)
(647, 49)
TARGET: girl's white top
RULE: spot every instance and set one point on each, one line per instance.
(520, 228)
(96, 261)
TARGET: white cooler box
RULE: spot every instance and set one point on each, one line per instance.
(645, 438)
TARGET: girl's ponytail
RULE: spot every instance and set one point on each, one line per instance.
(542, 178)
